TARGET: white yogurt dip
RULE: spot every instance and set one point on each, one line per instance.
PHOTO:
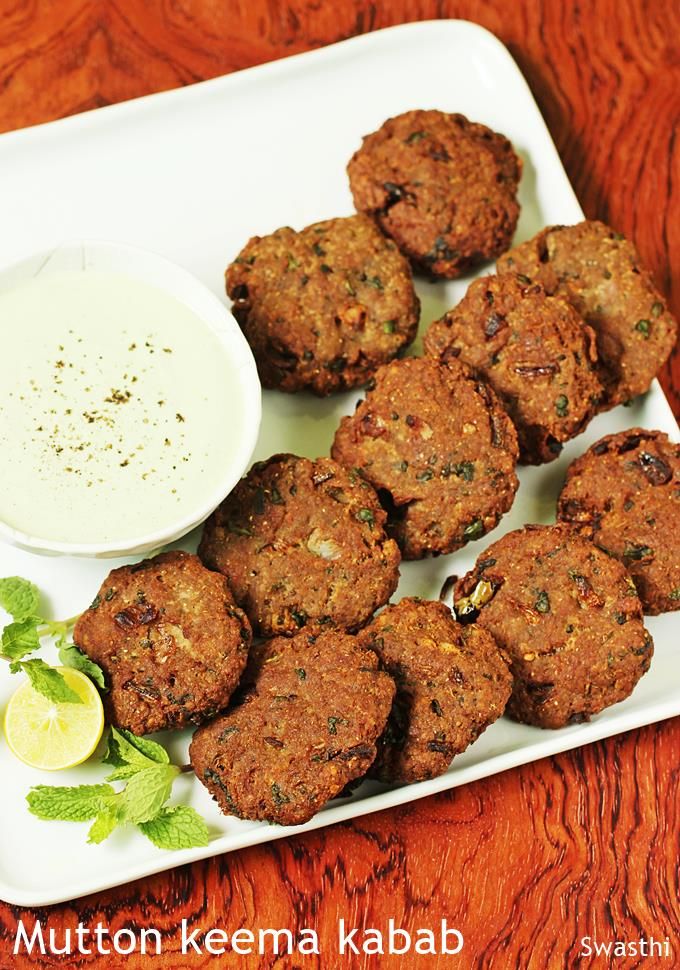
(119, 408)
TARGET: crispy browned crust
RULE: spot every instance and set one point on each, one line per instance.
(624, 494)
(439, 448)
(306, 727)
(452, 683)
(170, 639)
(600, 273)
(322, 308)
(536, 353)
(444, 188)
(567, 615)
(303, 541)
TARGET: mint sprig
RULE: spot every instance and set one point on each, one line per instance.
(147, 791)
(20, 638)
(18, 597)
(140, 765)
(77, 804)
(177, 827)
(21, 599)
(71, 656)
(46, 680)
(125, 749)
(105, 822)
(145, 768)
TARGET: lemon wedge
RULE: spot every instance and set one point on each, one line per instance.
(52, 736)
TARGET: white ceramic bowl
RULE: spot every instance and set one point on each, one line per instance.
(239, 429)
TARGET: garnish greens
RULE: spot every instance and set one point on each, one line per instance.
(21, 599)
(140, 763)
(144, 767)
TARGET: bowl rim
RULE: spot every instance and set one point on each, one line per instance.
(222, 323)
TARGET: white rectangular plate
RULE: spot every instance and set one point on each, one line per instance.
(193, 174)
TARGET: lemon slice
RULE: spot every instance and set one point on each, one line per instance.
(52, 736)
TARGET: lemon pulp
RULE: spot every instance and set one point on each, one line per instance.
(50, 736)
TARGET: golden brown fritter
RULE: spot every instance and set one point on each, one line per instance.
(599, 272)
(452, 682)
(567, 615)
(444, 188)
(439, 448)
(306, 727)
(534, 350)
(170, 639)
(303, 541)
(624, 494)
(322, 308)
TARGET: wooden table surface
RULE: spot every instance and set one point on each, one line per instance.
(530, 861)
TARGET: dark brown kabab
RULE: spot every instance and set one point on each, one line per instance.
(599, 271)
(568, 617)
(536, 353)
(170, 639)
(444, 188)
(322, 308)
(452, 682)
(306, 727)
(303, 541)
(440, 450)
(624, 494)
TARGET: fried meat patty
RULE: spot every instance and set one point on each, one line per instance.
(170, 639)
(303, 541)
(624, 494)
(444, 188)
(322, 308)
(534, 350)
(452, 682)
(567, 615)
(439, 448)
(305, 728)
(599, 271)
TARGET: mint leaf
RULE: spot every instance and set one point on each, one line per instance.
(47, 681)
(147, 791)
(123, 772)
(147, 747)
(113, 755)
(121, 752)
(76, 804)
(18, 597)
(130, 754)
(179, 827)
(20, 638)
(71, 656)
(103, 826)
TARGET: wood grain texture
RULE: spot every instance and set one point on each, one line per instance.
(530, 861)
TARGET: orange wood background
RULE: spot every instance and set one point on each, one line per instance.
(530, 861)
